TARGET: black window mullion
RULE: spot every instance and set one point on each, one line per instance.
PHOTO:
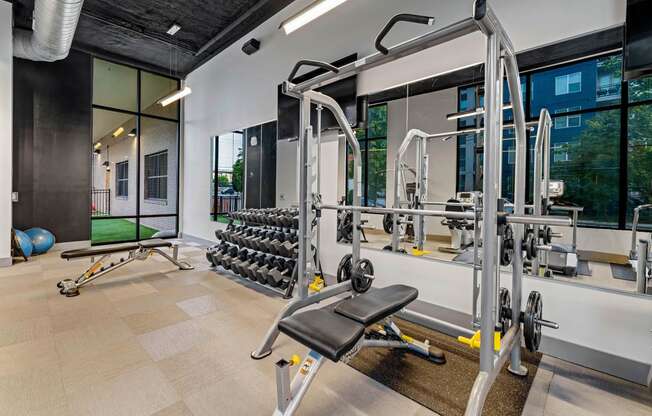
(138, 151)
(624, 147)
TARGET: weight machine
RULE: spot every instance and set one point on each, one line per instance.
(640, 256)
(502, 232)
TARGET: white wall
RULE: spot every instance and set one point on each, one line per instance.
(6, 136)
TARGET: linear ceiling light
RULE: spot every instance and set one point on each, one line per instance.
(469, 113)
(175, 96)
(309, 14)
(98, 145)
(173, 29)
(119, 131)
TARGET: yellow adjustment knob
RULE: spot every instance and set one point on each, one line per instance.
(295, 360)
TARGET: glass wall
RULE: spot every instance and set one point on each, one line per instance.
(373, 147)
(227, 178)
(135, 157)
(592, 126)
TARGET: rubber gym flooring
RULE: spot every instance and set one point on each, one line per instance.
(152, 340)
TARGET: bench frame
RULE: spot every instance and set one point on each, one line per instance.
(70, 287)
(290, 394)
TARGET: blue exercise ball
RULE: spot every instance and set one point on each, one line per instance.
(25, 243)
(42, 239)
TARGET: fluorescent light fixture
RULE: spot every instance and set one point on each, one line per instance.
(173, 29)
(132, 133)
(309, 14)
(119, 131)
(98, 145)
(470, 113)
(177, 95)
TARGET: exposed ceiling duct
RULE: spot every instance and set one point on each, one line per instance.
(53, 26)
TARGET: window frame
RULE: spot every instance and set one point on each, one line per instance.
(139, 115)
(623, 106)
(364, 165)
(119, 180)
(147, 177)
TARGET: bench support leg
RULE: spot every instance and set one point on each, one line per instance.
(71, 287)
(182, 265)
(288, 395)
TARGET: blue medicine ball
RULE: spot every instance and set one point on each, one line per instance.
(25, 243)
(42, 239)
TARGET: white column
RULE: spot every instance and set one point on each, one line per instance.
(6, 137)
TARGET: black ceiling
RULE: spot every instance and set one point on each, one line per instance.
(133, 31)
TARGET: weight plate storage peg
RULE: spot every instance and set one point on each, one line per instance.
(507, 246)
(532, 321)
(344, 268)
(505, 302)
(362, 275)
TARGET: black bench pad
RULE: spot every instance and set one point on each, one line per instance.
(98, 251)
(329, 334)
(373, 306)
(155, 243)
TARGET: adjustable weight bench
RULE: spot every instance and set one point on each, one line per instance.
(338, 332)
(136, 251)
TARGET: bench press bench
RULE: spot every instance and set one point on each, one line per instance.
(338, 332)
(141, 250)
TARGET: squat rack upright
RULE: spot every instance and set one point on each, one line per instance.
(500, 60)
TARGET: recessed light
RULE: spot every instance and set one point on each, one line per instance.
(173, 29)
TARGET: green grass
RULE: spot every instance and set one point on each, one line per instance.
(112, 230)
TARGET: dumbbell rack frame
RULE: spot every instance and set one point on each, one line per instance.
(288, 292)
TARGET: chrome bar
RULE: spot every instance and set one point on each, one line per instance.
(404, 211)
(641, 267)
(332, 105)
(409, 47)
(637, 211)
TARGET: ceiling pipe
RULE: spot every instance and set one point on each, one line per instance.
(54, 25)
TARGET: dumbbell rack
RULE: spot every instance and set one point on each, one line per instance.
(259, 245)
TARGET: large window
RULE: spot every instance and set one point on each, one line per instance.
(601, 144)
(373, 146)
(156, 175)
(227, 178)
(122, 179)
(135, 155)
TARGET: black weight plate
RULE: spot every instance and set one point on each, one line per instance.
(532, 329)
(344, 268)
(359, 280)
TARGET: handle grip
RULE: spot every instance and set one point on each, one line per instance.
(404, 17)
(308, 62)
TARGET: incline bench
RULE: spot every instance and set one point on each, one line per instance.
(337, 332)
(137, 251)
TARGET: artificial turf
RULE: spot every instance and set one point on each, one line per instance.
(117, 229)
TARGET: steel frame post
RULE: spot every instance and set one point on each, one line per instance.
(305, 197)
(514, 82)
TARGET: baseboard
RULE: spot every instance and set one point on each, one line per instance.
(625, 368)
(6, 262)
(71, 245)
(198, 240)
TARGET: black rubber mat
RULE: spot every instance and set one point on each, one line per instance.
(445, 389)
(621, 272)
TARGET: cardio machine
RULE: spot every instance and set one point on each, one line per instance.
(640, 255)
(462, 230)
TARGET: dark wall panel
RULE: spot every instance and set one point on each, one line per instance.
(52, 145)
(252, 187)
(268, 166)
